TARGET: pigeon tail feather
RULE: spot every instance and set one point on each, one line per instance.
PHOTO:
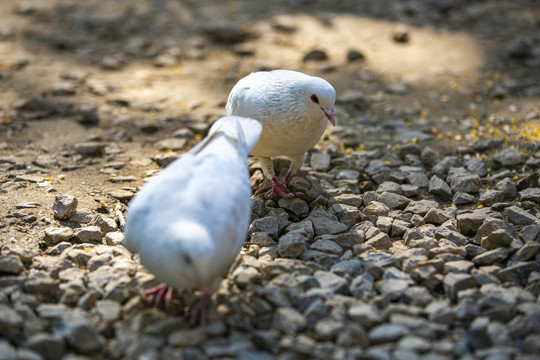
(243, 131)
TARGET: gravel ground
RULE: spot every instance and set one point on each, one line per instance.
(418, 236)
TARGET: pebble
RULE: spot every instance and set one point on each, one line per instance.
(11, 264)
(64, 206)
(88, 234)
(519, 216)
(83, 337)
(315, 55)
(439, 187)
(47, 345)
(401, 34)
(90, 148)
(509, 157)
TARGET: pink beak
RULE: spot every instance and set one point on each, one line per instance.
(330, 115)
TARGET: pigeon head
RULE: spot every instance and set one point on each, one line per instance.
(321, 96)
(195, 250)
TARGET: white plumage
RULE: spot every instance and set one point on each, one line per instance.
(190, 221)
(294, 110)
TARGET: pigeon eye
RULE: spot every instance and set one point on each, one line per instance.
(188, 260)
(315, 99)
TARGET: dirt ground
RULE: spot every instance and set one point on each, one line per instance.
(127, 74)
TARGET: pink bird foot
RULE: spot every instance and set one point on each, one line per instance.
(161, 291)
(279, 188)
(199, 313)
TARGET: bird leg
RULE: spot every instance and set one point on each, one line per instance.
(279, 188)
(198, 314)
(161, 291)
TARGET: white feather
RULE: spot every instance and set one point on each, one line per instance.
(189, 222)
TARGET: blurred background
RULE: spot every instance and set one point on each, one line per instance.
(448, 72)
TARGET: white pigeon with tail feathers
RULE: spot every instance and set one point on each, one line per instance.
(294, 110)
(189, 222)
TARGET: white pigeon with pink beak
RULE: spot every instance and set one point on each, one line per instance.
(294, 110)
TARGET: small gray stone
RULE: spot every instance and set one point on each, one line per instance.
(64, 206)
(376, 208)
(417, 178)
(114, 238)
(530, 194)
(461, 198)
(393, 201)
(458, 266)
(380, 241)
(455, 282)
(320, 161)
(288, 320)
(496, 239)
(467, 183)
(11, 264)
(83, 216)
(490, 224)
(7, 351)
(351, 267)
(43, 286)
(187, 337)
(353, 335)
(105, 223)
(436, 216)
(90, 148)
(491, 257)
(507, 187)
(315, 55)
(327, 246)
(453, 236)
(292, 245)
(420, 207)
(365, 314)
(83, 337)
(442, 167)
(509, 157)
(331, 282)
(244, 275)
(88, 234)
(491, 197)
(530, 232)
(476, 165)
(527, 251)
(268, 224)
(49, 346)
(328, 329)
(295, 206)
(531, 344)
(349, 199)
(56, 235)
(519, 216)
(326, 223)
(439, 187)
(10, 322)
(410, 190)
(174, 144)
(261, 238)
(362, 286)
(518, 273)
(468, 223)
(386, 333)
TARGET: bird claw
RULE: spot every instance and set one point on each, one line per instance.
(198, 314)
(162, 291)
(279, 188)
